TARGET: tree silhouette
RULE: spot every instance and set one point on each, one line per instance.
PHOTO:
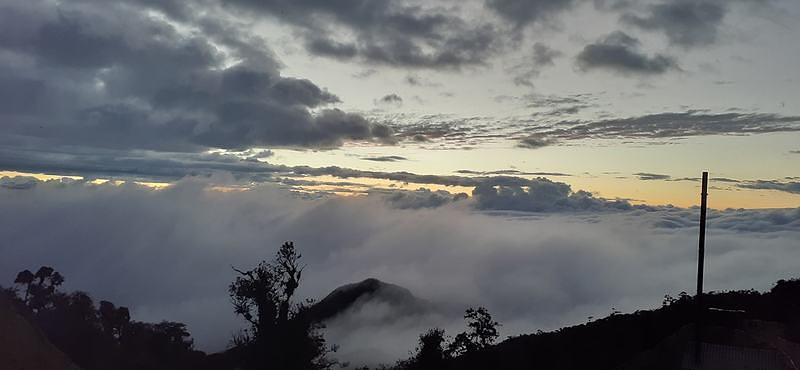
(39, 287)
(430, 352)
(481, 334)
(282, 335)
(114, 320)
(104, 337)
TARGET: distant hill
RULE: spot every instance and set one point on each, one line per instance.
(370, 290)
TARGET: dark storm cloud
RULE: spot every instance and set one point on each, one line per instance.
(107, 75)
(524, 12)
(686, 23)
(651, 176)
(383, 31)
(788, 186)
(620, 53)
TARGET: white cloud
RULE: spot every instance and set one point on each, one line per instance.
(167, 254)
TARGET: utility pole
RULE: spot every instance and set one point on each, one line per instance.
(700, 261)
(702, 248)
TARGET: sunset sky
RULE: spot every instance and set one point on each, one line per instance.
(384, 135)
(623, 99)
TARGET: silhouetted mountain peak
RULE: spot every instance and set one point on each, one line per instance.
(368, 290)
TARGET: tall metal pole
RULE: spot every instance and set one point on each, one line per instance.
(700, 261)
(702, 249)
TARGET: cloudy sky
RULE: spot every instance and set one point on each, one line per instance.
(507, 115)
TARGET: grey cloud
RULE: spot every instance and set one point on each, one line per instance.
(387, 158)
(794, 151)
(619, 52)
(18, 182)
(669, 125)
(613, 5)
(332, 48)
(131, 165)
(166, 166)
(652, 176)
(744, 220)
(391, 99)
(511, 172)
(571, 265)
(558, 103)
(421, 198)
(534, 142)
(415, 80)
(110, 76)
(524, 12)
(712, 179)
(365, 73)
(540, 195)
(544, 55)
(383, 31)
(725, 179)
(409, 177)
(258, 154)
(788, 186)
(686, 23)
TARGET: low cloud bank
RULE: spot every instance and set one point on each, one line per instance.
(166, 254)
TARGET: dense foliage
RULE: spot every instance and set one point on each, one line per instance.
(282, 335)
(100, 337)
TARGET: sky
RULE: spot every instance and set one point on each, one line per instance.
(194, 135)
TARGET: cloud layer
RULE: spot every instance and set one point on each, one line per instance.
(619, 52)
(119, 76)
(382, 31)
(167, 254)
(686, 23)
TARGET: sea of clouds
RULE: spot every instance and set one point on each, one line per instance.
(167, 254)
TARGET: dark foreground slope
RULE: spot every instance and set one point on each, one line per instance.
(647, 339)
(23, 346)
(656, 339)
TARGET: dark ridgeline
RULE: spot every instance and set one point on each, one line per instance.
(285, 335)
(101, 337)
